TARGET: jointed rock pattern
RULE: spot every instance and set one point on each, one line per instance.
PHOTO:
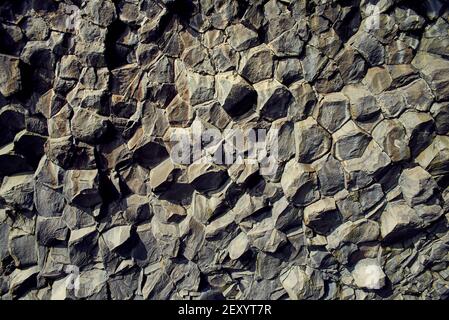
(92, 207)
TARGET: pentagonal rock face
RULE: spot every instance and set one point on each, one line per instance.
(273, 99)
(391, 136)
(363, 104)
(350, 141)
(333, 111)
(331, 176)
(312, 141)
(417, 186)
(235, 94)
(266, 149)
(257, 64)
(299, 183)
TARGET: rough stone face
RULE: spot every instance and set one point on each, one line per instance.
(299, 183)
(312, 141)
(363, 104)
(368, 274)
(116, 236)
(417, 186)
(333, 111)
(81, 187)
(10, 78)
(18, 191)
(391, 136)
(241, 38)
(398, 219)
(257, 64)
(273, 99)
(350, 141)
(87, 126)
(322, 216)
(190, 150)
(434, 70)
(235, 94)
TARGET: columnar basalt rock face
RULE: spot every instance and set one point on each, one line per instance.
(354, 100)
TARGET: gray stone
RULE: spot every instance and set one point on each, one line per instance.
(87, 126)
(417, 186)
(50, 231)
(238, 246)
(116, 236)
(420, 130)
(10, 79)
(434, 71)
(330, 175)
(322, 216)
(236, 96)
(305, 100)
(288, 43)
(241, 38)
(440, 112)
(101, 12)
(368, 274)
(362, 170)
(20, 278)
(299, 183)
(17, 191)
(205, 176)
(312, 141)
(391, 136)
(350, 141)
(201, 88)
(300, 284)
(273, 99)
(313, 63)
(369, 47)
(257, 64)
(351, 65)
(397, 220)
(81, 187)
(363, 104)
(288, 71)
(23, 249)
(333, 111)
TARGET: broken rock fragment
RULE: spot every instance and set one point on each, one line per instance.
(81, 187)
(235, 94)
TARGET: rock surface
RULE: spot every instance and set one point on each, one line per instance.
(119, 162)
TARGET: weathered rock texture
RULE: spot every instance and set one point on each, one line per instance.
(90, 91)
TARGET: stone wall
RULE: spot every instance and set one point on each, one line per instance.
(353, 96)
